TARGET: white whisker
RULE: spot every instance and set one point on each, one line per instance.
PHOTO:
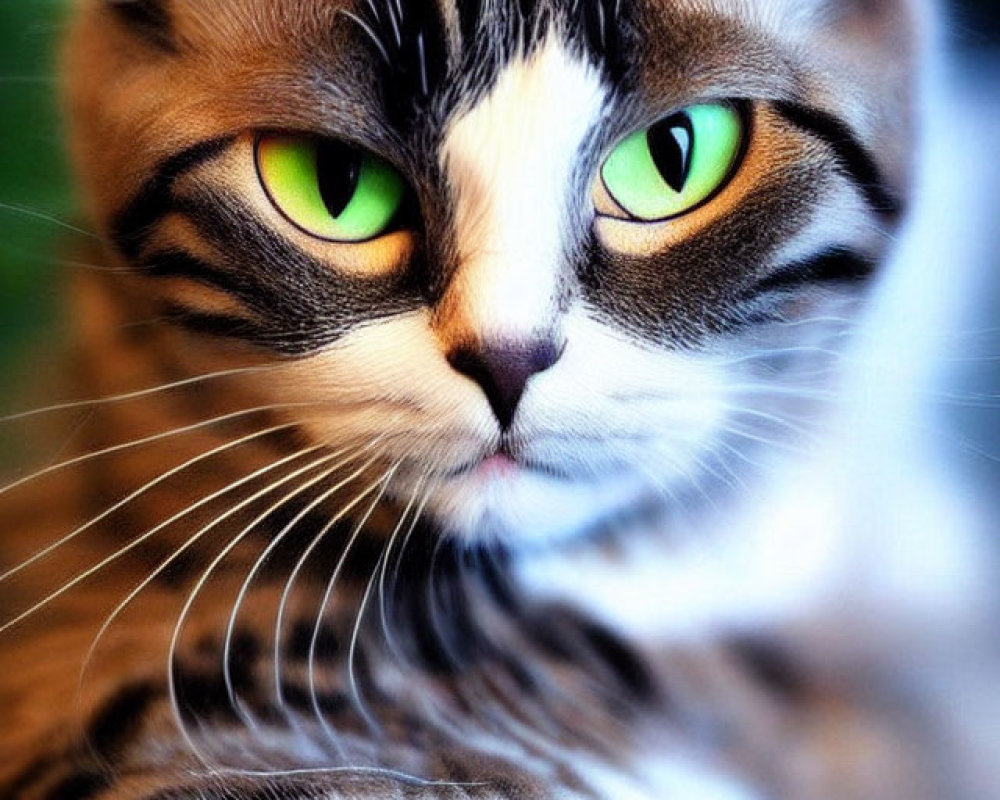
(383, 614)
(41, 215)
(134, 395)
(191, 541)
(123, 551)
(158, 437)
(273, 545)
(352, 649)
(205, 577)
(293, 575)
(324, 602)
(143, 489)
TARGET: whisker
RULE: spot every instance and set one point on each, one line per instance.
(126, 549)
(383, 613)
(327, 594)
(476, 687)
(759, 355)
(360, 770)
(159, 437)
(273, 545)
(194, 539)
(293, 575)
(366, 29)
(143, 489)
(783, 422)
(41, 215)
(134, 395)
(754, 436)
(352, 680)
(200, 584)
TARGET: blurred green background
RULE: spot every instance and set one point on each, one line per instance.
(33, 180)
(34, 188)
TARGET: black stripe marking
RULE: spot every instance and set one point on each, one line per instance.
(201, 696)
(605, 29)
(178, 264)
(32, 775)
(855, 159)
(120, 718)
(332, 704)
(148, 18)
(772, 665)
(625, 663)
(410, 46)
(299, 644)
(221, 326)
(245, 653)
(299, 304)
(469, 15)
(81, 785)
(134, 224)
(838, 265)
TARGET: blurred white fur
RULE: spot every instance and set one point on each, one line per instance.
(876, 551)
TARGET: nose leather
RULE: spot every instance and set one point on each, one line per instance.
(503, 370)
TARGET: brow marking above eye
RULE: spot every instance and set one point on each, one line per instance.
(131, 227)
(854, 157)
(148, 18)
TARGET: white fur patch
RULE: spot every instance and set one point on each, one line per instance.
(660, 779)
(509, 161)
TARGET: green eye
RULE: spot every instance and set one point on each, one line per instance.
(676, 164)
(329, 189)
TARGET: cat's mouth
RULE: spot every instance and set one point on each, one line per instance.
(507, 462)
(501, 463)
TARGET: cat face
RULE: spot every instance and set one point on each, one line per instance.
(540, 261)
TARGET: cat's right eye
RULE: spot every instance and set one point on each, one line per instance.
(675, 165)
(329, 189)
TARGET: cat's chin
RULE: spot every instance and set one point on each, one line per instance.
(502, 501)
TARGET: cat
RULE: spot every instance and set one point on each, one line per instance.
(482, 407)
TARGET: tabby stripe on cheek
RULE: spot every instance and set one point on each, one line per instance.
(177, 264)
(32, 775)
(625, 663)
(855, 160)
(217, 325)
(133, 225)
(67, 776)
(835, 265)
(81, 772)
(148, 18)
(301, 304)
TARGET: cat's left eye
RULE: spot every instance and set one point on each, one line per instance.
(675, 165)
(329, 189)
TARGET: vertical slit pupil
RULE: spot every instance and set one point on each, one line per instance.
(671, 143)
(338, 168)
